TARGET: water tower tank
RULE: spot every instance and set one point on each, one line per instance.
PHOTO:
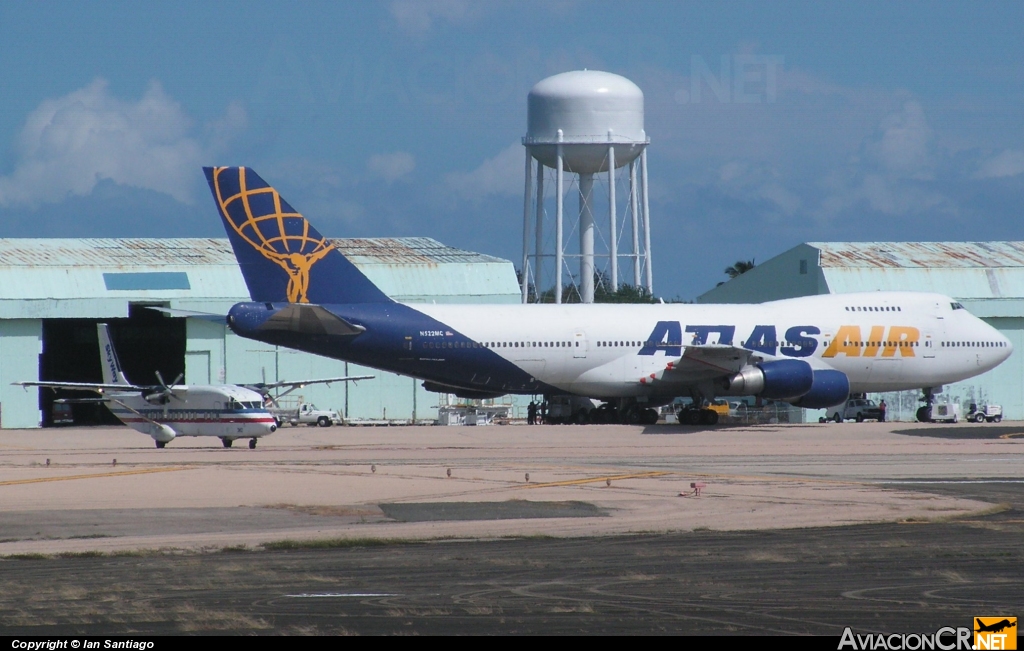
(592, 109)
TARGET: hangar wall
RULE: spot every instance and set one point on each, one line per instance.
(103, 279)
(987, 277)
(21, 343)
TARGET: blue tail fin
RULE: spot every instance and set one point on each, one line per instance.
(282, 257)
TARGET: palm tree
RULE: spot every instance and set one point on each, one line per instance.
(739, 268)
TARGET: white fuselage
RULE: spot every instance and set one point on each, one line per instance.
(223, 411)
(882, 341)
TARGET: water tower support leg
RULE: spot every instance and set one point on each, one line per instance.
(527, 192)
(558, 225)
(647, 226)
(538, 260)
(634, 214)
(586, 237)
(613, 241)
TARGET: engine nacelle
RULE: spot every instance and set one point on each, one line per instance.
(830, 388)
(161, 432)
(158, 398)
(780, 380)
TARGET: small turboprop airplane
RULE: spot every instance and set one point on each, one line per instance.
(166, 412)
(812, 352)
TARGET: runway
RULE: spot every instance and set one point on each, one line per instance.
(798, 529)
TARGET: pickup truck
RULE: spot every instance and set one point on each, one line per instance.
(859, 409)
(307, 414)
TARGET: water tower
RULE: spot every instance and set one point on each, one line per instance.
(586, 123)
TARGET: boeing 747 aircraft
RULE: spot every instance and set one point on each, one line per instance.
(811, 352)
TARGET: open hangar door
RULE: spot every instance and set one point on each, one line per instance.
(146, 342)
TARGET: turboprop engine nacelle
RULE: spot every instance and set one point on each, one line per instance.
(785, 379)
(161, 432)
(158, 398)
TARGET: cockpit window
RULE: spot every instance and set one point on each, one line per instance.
(956, 306)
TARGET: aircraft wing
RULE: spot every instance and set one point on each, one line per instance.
(301, 383)
(702, 362)
(162, 394)
(718, 358)
(265, 388)
(86, 386)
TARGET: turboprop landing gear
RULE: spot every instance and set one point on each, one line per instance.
(252, 444)
(160, 445)
(227, 442)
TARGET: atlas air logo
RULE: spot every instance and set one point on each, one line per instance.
(256, 215)
(798, 341)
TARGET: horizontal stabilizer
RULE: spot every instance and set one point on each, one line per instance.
(310, 320)
(189, 314)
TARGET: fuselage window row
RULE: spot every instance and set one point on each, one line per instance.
(887, 308)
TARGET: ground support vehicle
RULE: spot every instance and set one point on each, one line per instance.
(940, 413)
(858, 409)
(989, 413)
(307, 414)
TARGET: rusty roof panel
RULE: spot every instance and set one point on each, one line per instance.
(153, 252)
(920, 255)
(409, 269)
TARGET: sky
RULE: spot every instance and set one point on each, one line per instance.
(770, 124)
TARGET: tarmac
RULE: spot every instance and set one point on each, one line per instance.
(374, 503)
(62, 492)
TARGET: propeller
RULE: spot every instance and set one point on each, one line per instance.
(166, 392)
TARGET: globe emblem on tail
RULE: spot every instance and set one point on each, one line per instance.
(259, 216)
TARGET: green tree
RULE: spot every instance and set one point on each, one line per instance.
(739, 268)
(625, 293)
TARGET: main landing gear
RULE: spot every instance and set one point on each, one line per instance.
(160, 445)
(924, 413)
(628, 413)
(698, 417)
(227, 442)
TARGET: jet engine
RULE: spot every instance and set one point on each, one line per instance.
(784, 379)
(830, 388)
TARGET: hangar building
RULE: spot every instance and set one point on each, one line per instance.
(987, 277)
(54, 291)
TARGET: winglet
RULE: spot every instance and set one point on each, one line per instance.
(282, 257)
(112, 373)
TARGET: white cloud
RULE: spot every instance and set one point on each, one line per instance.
(418, 16)
(903, 144)
(895, 174)
(391, 167)
(746, 180)
(501, 175)
(1007, 163)
(71, 143)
